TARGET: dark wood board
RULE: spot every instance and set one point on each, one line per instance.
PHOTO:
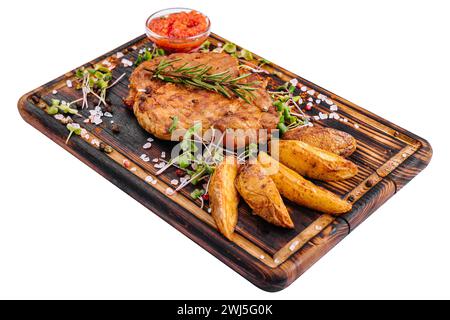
(388, 157)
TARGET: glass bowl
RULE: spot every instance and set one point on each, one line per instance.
(187, 44)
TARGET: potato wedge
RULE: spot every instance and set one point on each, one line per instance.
(301, 191)
(328, 139)
(223, 196)
(261, 194)
(313, 162)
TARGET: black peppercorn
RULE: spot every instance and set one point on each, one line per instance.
(115, 128)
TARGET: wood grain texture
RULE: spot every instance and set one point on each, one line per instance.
(388, 157)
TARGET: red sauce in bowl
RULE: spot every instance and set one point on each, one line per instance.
(178, 31)
(180, 25)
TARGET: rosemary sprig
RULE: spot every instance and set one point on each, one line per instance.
(198, 76)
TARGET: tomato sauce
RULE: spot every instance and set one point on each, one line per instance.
(180, 25)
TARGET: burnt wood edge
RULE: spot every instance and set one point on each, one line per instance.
(262, 276)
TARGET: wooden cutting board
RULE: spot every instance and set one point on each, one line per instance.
(388, 157)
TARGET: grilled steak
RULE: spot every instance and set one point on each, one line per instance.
(156, 102)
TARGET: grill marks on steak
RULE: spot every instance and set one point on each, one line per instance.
(155, 102)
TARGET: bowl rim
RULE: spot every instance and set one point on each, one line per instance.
(152, 34)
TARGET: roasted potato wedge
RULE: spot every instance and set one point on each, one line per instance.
(261, 194)
(328, 139)
(313, 162)
(223, 196)
(301, 191)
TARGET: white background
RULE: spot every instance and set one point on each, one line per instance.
(391, 57)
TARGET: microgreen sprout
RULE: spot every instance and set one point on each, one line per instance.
(197, 193)
(174, 124)
(247, 55)
(285, 101)
(205, 46)
(229, 47)
(147, 55)
(73, 128)
(95, 81)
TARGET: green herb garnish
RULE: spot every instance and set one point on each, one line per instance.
(148, 55)
(174, 124)
(205, 46)
(247, 55)
(197, 76)
(229, 47)
(73, 128)
(197, 193)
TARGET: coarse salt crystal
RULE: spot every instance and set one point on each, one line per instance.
(318, 228)
(174, 182)
(143, 156)
(148, 145)
(333, 107)
(155, 160)
(159, 165)
(108, 114)
(318, 101)
(134, 47)
(261, 257)
(87, 137)
(334, 115)
(119, 55)
(86, 120)
(328, 101)
(294, 82)
(134, 169)
(309, 104)
(277, 261)
(356, 125)
(304, 89)
(163, 154)
(310, 99)
(345, 120)
(150, 140)
(126, 62)
(95, 142)
(97, 120)
(209, 210)
(54, 91)
(323, 116)
(170, 191)
(69, 83)
(311, 92)
(154, 181)
(321, 96)
(141, 90)
(316, 118)
(148, 179)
